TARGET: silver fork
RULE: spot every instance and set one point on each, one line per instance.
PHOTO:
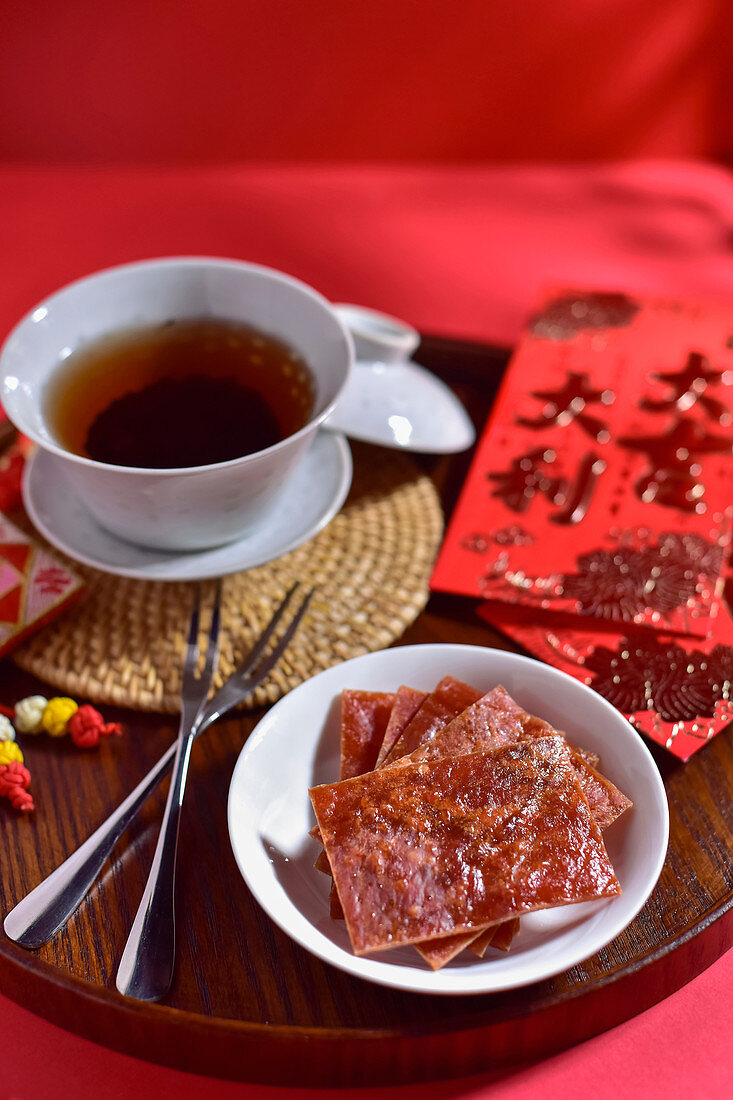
(148, 961)
(47, 908)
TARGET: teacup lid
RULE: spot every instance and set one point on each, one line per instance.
(377, 336)
(389, 399)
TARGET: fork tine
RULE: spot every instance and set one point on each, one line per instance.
(192, 646)
(212, 649)
(262, 642)
(201, 686)
(243, 682)
(266, 666)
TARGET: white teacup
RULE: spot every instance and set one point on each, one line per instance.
(188, 508)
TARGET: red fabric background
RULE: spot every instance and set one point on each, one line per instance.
(182, 81)
(461, 251)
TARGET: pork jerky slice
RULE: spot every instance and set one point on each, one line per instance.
(467, 732)
(443, 949)
(463, 733)
(452, 845)
(364, 719)
(495, 720)
(436, 953)
(407, 702)
(591, 758)
(365, 716)
(404, 704)
(428, 714)
(447, 700)
(499, 936)
(357, 710)
(416, 718)
(449, 697)
(568, 893)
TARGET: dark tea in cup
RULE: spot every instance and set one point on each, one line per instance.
(180, 394)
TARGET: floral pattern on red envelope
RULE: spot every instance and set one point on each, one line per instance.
(677, 691)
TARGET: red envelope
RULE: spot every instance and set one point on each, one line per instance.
(600, 485)
(676, 691)
(34, 585)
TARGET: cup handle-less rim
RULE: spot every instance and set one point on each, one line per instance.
(9, 382)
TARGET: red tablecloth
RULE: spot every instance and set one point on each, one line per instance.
(458, 251)
(679, 1048)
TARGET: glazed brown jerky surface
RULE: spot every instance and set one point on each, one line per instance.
(406, 705)
(364, 719)
(449, 698)
(501, 937)
(451, 845)
(365, 716)
(492, 721)
(363, 728)
(495, 720)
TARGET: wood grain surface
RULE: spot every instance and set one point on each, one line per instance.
(248, 1003)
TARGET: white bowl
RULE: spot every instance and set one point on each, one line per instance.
(190, 508)
(296, 745)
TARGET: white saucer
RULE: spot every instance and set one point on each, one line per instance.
(311, 498)
(402, 405)
(296, 745)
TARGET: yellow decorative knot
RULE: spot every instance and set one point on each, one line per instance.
(10, 752)
(56, 715)
(7, 733)
(29, 714)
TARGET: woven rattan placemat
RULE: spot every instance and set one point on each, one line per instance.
(123, 642)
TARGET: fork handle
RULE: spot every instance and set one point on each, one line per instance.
(47, 907)
(148, 961)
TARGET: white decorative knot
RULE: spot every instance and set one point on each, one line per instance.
(29, 713)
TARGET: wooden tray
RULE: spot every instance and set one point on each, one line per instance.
(248, 1004)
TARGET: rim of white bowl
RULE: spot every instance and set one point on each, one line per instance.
(383, 972)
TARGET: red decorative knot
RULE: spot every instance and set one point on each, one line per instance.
(87, 725)
(15, 779)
